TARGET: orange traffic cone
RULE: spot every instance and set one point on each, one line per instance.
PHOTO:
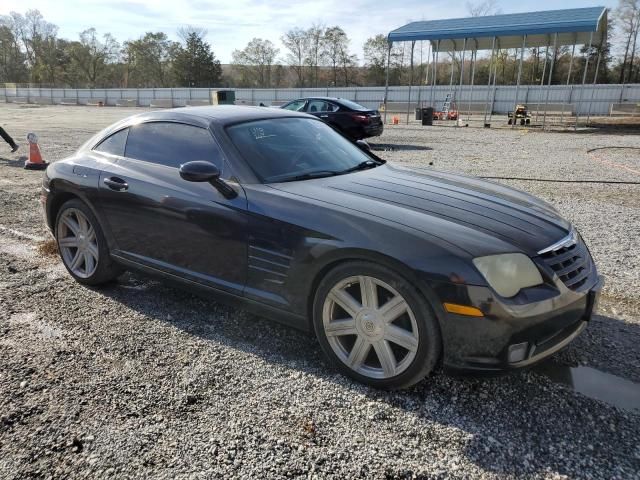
(35, 161)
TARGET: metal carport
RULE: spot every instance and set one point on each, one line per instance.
(578, 26)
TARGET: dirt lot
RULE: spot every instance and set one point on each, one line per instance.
(140, 380)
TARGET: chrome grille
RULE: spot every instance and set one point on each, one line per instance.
(570, 261)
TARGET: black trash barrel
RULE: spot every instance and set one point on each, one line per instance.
(427, 116)
(418, 114)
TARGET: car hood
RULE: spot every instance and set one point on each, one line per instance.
(476, 215)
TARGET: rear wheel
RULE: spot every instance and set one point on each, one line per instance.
(82, 245)
(375, 327)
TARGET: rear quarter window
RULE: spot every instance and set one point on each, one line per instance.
(114, 144)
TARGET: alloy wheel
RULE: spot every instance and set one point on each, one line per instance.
(370, 327)
(78, 243)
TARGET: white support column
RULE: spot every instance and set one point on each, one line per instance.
(515, 100)
(386, 83)
(584, 79)
(546, 101)
(493, 51)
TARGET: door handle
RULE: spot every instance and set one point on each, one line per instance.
(117, 184)
(324, 116)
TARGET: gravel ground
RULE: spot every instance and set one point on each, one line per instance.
(141, 380)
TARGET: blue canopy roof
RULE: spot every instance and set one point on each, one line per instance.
(572, 26)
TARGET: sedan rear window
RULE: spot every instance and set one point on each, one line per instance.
(353, 105)
(285, 148)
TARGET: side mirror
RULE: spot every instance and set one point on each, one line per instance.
(362, 145)
(201, 171)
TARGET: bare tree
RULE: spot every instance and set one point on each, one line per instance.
(296, 41)
(316, 52)
(483, 8)
(255, 62)
(92, 55)
(627, 15)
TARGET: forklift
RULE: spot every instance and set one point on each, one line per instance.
(521, 113)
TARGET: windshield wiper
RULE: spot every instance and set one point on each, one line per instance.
(311, 175)
(361, 166)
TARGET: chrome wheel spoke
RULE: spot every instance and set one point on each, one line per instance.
(393, 308)
(346, 301)
(339, 328)
(401, 337)
(386, 357)
(71, 224)
(91, 234)
(83, 223)
(89, 263)
(93, 250)
(358, 353)
(369, 292)
(77, 260)
(68, 242)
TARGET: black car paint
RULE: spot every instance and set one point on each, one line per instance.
(342, 119)
(268, 247)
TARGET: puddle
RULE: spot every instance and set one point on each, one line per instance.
(615, 391)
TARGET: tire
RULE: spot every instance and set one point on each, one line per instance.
(378, 341)
(82, 245)
(509, 122)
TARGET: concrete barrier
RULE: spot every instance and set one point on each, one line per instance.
(161, 103)
(127, 102)
(17, 100)
(197, 103)
(96, 102)
(624, 109)
(68, 101)
(42, 100)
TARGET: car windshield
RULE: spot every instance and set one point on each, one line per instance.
(286, 149)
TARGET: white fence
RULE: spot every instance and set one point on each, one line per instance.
(590, 99)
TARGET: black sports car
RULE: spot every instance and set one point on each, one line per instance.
(350, 118)
(394, 269)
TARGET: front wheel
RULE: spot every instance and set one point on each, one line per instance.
(375, 326)
(82, 245)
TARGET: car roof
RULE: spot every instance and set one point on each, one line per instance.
(333, 99)
(221, 114)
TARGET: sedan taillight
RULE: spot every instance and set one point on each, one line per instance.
(358, 117)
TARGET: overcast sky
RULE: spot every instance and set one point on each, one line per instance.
(231, 24)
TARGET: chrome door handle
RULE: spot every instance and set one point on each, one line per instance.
(117, 184)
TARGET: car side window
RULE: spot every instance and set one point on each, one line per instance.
(332, 107)
(114, 144)
(172, 144)
(317, 106)
(296, 106)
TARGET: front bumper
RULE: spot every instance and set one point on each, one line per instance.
(509, 338)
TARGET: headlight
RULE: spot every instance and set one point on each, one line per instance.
(508, 273)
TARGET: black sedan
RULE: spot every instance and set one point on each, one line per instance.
(394, 269)
(350, 118)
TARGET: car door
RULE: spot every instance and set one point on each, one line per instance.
(161, 221)
(325, 110)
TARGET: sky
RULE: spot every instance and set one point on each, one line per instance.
(232, 24)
